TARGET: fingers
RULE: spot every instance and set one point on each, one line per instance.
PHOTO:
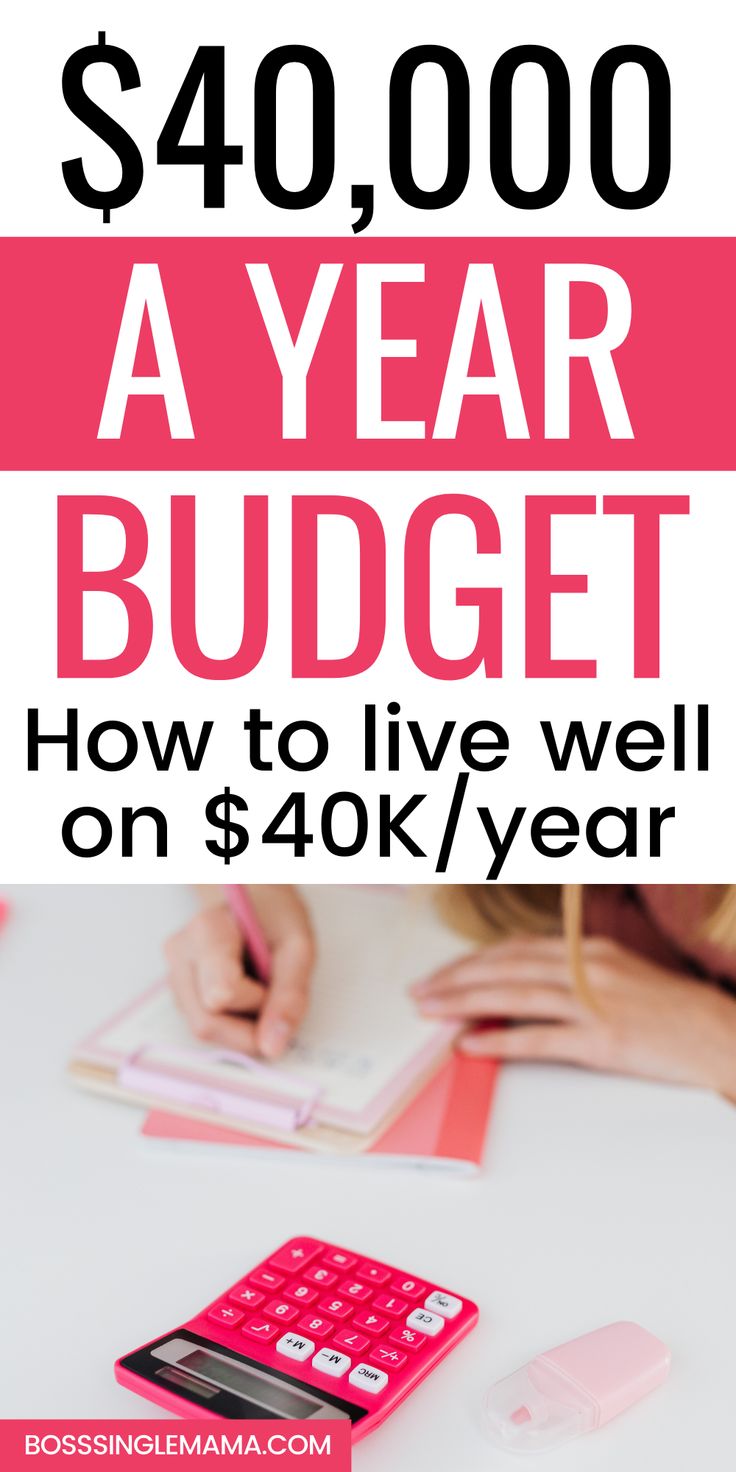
(532, 1043)
(539, 963)
(223, 985)
(517, 1000)
(221, 1029)
(209, 983)
(287, 928)
(280, 910)
(287, 996)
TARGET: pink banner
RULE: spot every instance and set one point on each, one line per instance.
(568, 354)
(276, 1446)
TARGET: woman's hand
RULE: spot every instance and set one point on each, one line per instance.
(647, 1021)
(221, 1003)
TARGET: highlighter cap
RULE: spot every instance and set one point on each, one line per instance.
(576, 1387)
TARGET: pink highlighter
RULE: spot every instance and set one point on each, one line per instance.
(574, 1388)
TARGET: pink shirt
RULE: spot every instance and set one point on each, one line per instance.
(661, 921)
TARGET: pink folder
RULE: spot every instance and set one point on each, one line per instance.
(446, 1122)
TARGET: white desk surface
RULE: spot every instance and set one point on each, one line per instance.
(600, 1199)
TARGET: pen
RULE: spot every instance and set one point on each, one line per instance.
(254, 941)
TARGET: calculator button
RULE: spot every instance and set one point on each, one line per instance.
(340, 1260)
(356, 1291)
(425, 1322)
(443, 1304)
(295, 1347)
(370, 1322)
(409, 1287)
(301, 1294)
(370, 1272)
(388, 1358)
(296, 1254)
(337, 1308)
(281, 1311)
(348, 1339)
(330, 1362)
(389, 1304)
(264, 1278)
(261, 1329)
(365, 1377)
(247, 1297)
(225, 1314)
(321, 1276)
(320, 1328)
(407, 1339)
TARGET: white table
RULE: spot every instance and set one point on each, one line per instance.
(601, 1199)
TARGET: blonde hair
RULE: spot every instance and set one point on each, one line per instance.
(720, 926)
(495, 912)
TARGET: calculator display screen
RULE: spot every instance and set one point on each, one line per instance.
(272, 1395)
(232, 1384)
(187, 1382)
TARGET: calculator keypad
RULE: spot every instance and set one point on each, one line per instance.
(424, 1322)
(295, 1347)
(389, 1304)
(313, 1324)
(321, 1276)
(444, 1304)
(371, 1272)
(348, 1339)
(261, 1329)
(365, 1377)
(296, 1255)
(336, 1308)
(330, 1362)
(356, 1291)
(408, 1339)
(265, 1278)
(246, 1297)
(348, 1318)
(340, 1260)
(301, 1293)
(227, 1315)
(386, 1357)
(409, 1288)
(372, 1323)
(284, 1312)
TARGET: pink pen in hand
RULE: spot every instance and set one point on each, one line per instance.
(284, 1002)
(254, 941)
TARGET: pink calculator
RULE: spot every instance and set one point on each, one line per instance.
(313, 1332)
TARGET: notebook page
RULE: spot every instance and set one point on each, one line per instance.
(362, 1030)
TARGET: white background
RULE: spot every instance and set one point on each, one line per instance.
(697, 582)
(697, 610)
(362, 49)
